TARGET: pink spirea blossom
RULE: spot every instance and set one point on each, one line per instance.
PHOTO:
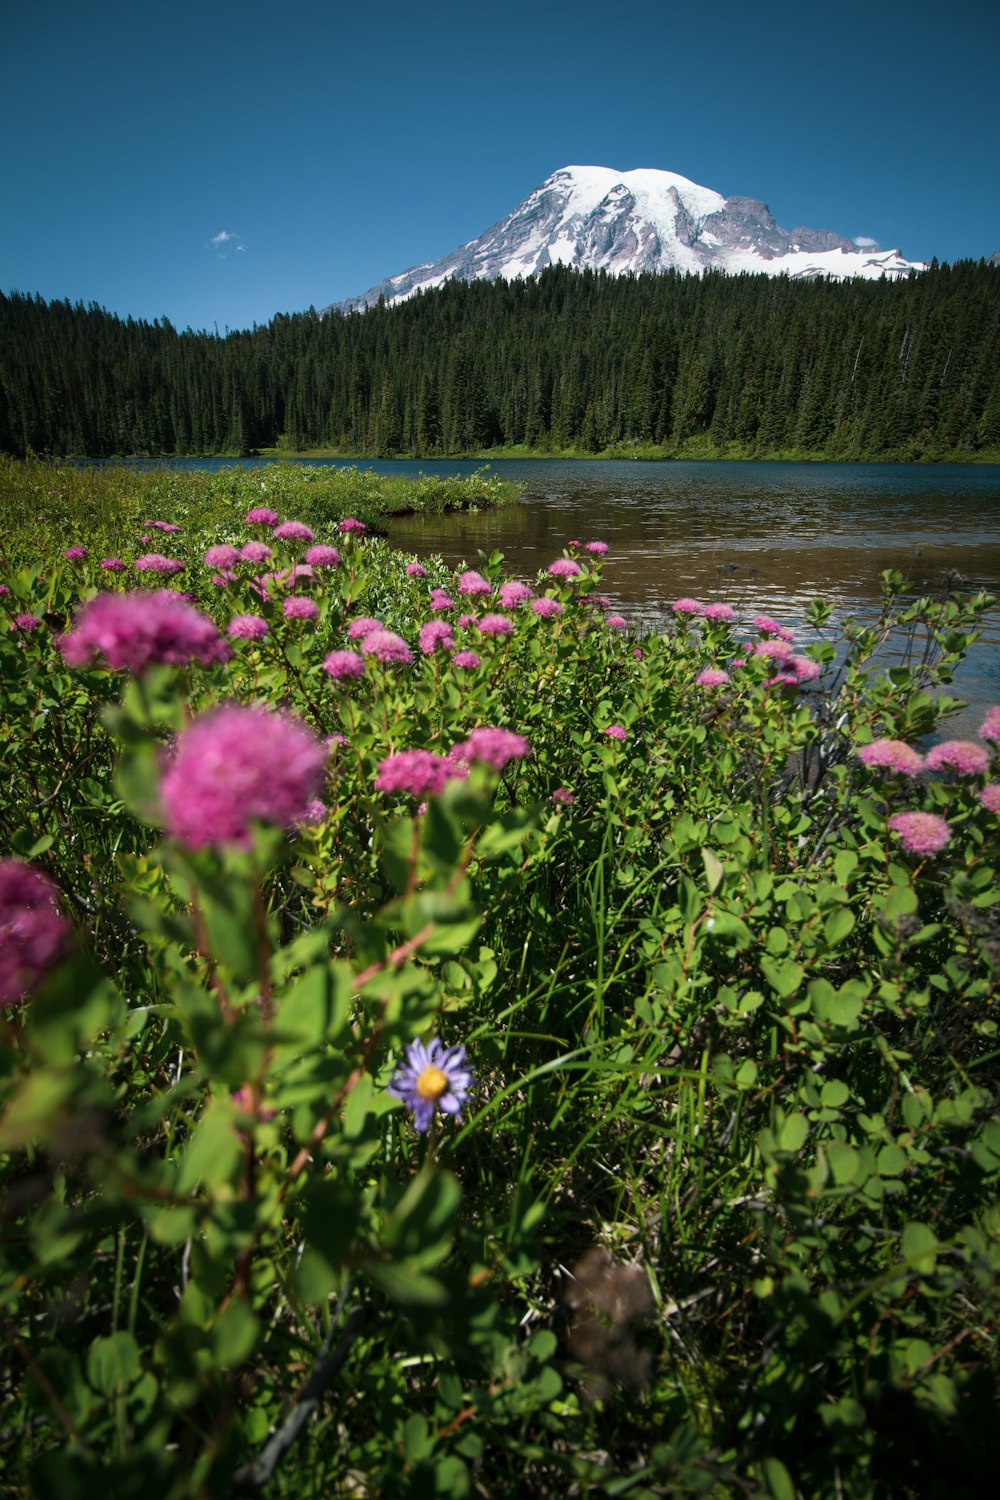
(513, 594)
(387, 647)
(767, 626)
(4, 590)
(574, 542)
(598, 548)
(718, 612)
(314, 813)
(221, 555)
(33, 930)
(989, 729)
(496, 625)
(344, 664)
(920, 832)
(989, 796)
(75, 554)
(464, 621)
(162, 525)
(473, 584)
(224, 577)
(415, 570)
(322, 556)
(421, 773)
(247, 627)
(773, 650)
(436, 635)
(441, 600)
(492, 746)
(262, 515)
(638, 653)
(27, 623)
(546, 608)
(804, 668)
(565, 567)
(564, 795)
(616, 732)
(712, 677)
(297, 608)
(892, 755)
(350, 525)
(362, 626)
(236, 764)
(293, 531)
(964, 757)
(687, 606)
(256, 552)
(113, 564)
(155, 562)
(466, 659)
(134, 631)
(617, 622)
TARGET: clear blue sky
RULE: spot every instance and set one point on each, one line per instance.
(336, 144)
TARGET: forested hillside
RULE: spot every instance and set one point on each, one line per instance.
(749, 365)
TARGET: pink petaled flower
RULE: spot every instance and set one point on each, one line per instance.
(113, 564)
(344, 664)
(598, 548)
(33, 930)
(222, 555)
(466, 620)
(362, 626)
(300, 609)
(492, 746)
(616, 732)
(75, 554)
(415, 570)
(466, 659)
(27, 623)
(237, 764)
(777, 650)
(224, 578)
(546, 608)
(990, 797)
(473, 583)
(387, 647)
(262, 515)
(162, 525)
(133, 631)
(962, 756)
(564, 795)
(256, 552)
(314, 813)
(920, 832)
(892, 755)
(989, 729)
(687, 607)
(323, 557)
(514, 593)
(617, 622)
(247, 627)
(4, 590)
(155, 562)
(805, 669)
(441, 600)
(638, 653)
(334, 742)
(436, 635)
(293, 531)
(767, 626)
(574, 542)
(349, 524)
(718, 612)
(421, 773)
(712, 677)
(145, 538)
(565, 567)
(496, 625)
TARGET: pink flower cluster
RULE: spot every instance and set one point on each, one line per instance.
(473, 584)
(293, 531)
(767, 626)
(415, 570)
(75, 554)
(892, 755)
(387, 647)
(247, 627)
(514, 593)
(421, 773)
(237, 764)
(712, 677)
(964, 757)
(362, 626)
(262, 515)
(256, 552)
(718, 612)
(33, 931)
(920, 832)
(616, 732)
(155, 562)
(222, 555)
(440, 600)
(349, 525)
(989, 729)
(344, 664)
(134, 631)
(492, 747)
(546, 608)
(296, 608)
(436, 635)
(565, 567)
(323, 557)
(496, 625)
(687, 606)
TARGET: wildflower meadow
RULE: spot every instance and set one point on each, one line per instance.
(456, 1043)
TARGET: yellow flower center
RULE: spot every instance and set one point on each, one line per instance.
(432, 1083)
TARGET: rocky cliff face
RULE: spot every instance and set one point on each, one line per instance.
(645, 220)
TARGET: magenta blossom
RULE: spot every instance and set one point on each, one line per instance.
(565, 567)
(26, 623)
(300, 609)
(990, 797)
(344, 664)
(235, 765)
(617, 622)
(155, 562)
(473, 583)
(33, 931)
(546, 608)
(224, 577)
(293, 531)
(989, 729)
(492, 747)
(436, 635)
(687, 607)
(804, 668)
(362, 626)
(465, 620)
(564, 795)
(113, 564)
(767, 626)
(75, 554)
(433, 1077)
(892, 755)
(247, 627)
(421, 773)
(964, 757)
(616, 732)
(262, 515)
(598, 548)
(466, 659)
(162, 525)
(920, 832)
(323, 557)
(514, 593)
(712, 677)
(496, 625)
(776, 650)
(222, 555)
(387, 647)
(134, 631)
(349, 525)
(256, 552)
(415, 570)
(718, 612)
(441, 600)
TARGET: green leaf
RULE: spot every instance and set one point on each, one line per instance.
(777, 1480)
(234, 1335)
(837, 925)
(113, 1363)
(844, 1161)
(785, 978)
(920, 1247)
(793, 1133)
(214, 1151)
(714, 870)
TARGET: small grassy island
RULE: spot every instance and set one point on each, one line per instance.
(452, 1044)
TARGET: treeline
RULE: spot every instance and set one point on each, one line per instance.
(905, 369)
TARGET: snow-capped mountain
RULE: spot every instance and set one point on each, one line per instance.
(645, 220)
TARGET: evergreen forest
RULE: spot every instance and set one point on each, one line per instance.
(653, 365)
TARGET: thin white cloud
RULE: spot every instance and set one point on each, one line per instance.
(225, 241)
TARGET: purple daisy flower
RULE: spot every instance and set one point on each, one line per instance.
(433, 1077)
